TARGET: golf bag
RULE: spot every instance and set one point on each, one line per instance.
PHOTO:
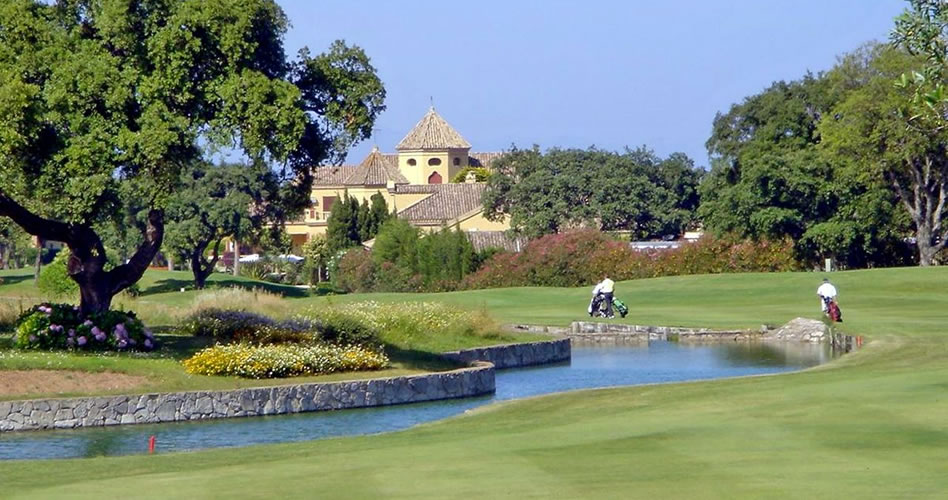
(597, 307)
(620, 307)
(832, 310)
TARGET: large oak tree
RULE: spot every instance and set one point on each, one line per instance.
(98, 93)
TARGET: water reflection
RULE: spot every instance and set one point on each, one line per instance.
(591, 366)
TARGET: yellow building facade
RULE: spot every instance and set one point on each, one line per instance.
(415, 182)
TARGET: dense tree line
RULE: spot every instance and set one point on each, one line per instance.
(561, 189)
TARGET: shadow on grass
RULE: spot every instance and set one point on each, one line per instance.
(181, 346)
(173, 285)
(16, 278)
(419, 360)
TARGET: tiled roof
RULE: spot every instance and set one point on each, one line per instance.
(483, 159)
(446, 203)
(332, 176)
(432, 132)
(376, 170)
(496, 239)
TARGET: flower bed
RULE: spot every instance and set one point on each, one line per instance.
(62, 326)
(283, 360)
(244, 326)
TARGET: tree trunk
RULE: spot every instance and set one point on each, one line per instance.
(87, 261)
(37, 265)
(236, 257)
(200, 273)
(170, 262)
(925, 203)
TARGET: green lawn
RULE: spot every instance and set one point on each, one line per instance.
(873, 424)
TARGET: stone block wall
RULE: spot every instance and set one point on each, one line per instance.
(589, 331)
(200, 405)
(514, 355)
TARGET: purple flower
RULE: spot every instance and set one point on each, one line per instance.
(87, 323)
(100, 336)
(132, 342)
(148, 344)
(70, 342)
(32, 338)
(122, 344)
(81, 340)
(75, 308)
(148, 334)
(71, 332)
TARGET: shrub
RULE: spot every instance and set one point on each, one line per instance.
(583, 257)
(62, 326)
(243, 326)
(54, 280)
(355, 271)
(276, 361)
(338, 327)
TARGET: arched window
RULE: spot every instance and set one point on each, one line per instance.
(457, 161)
(434, 162)
(434, 178)
(412, 162)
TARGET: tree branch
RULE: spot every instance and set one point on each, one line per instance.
(126, 274)
(43, 228)
(903, 197)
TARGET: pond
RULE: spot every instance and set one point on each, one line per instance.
(591, 366)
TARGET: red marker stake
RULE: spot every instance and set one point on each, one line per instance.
(151, 444)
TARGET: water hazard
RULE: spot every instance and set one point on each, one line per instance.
(591, 366)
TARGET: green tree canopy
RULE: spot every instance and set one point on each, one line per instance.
(214, 203)
(771, 177)
(98, 93)
(636, 191)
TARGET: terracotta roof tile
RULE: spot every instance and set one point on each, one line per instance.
(376, 170)
(446, 203)
(496, 239)
(483, 159)
(433, 132)
(332, 176)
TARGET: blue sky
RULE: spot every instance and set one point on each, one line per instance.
(582, 73)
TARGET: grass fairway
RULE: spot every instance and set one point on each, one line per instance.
(873, 424)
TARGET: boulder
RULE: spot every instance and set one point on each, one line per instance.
(800, 330)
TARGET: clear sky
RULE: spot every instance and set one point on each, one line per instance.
(581, 73)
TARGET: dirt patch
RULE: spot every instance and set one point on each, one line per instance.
(31, 382)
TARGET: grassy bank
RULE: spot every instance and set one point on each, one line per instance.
(412, 337)
(872, 424)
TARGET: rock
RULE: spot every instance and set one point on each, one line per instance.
(800, 330)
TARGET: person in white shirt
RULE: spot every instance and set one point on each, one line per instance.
(607, 288)
(826, 291)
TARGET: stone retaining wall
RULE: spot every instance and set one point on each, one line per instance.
(514, 355)
(278, 400)
(475, 380)
(588, 331)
